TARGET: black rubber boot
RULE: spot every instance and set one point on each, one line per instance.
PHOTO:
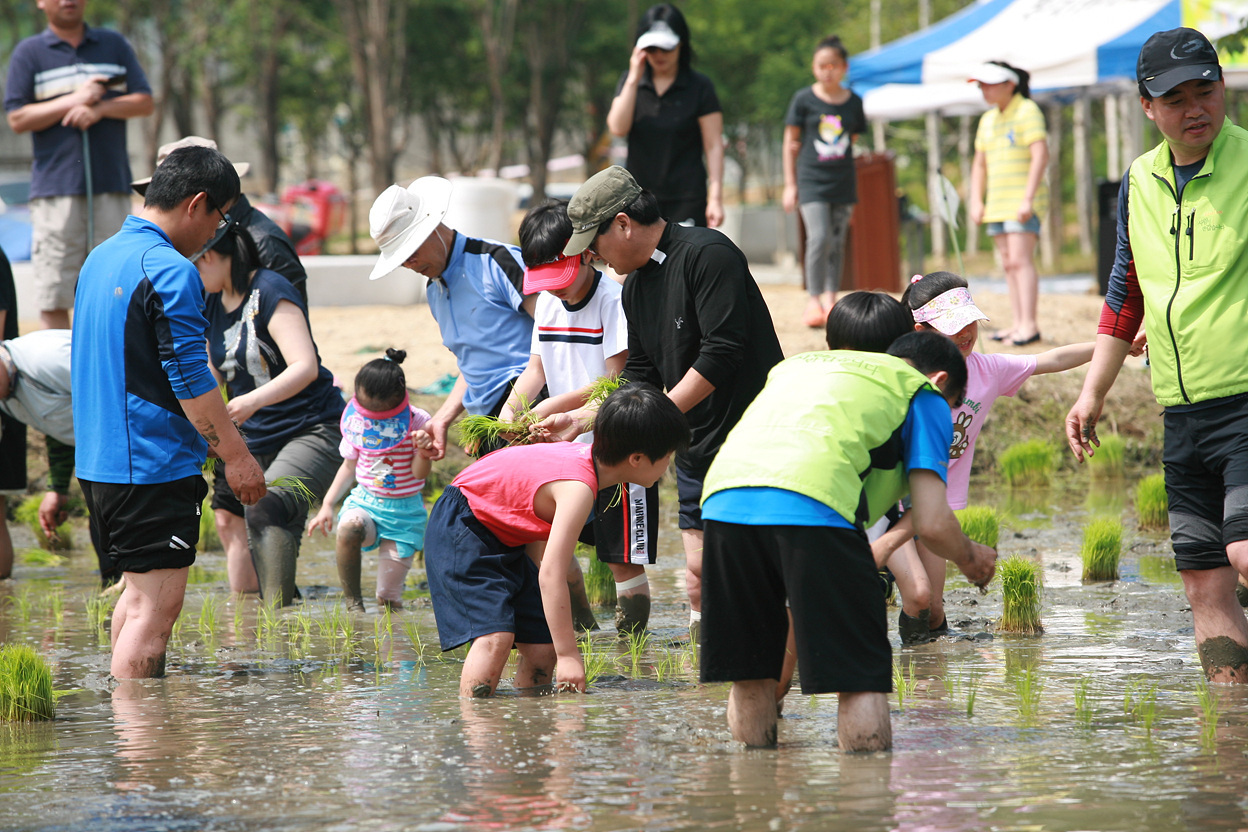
(274, 554)
(632, 614)
(942, 630)
(914, 630)
(582, 613)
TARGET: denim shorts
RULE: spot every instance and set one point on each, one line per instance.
(401, 520)
(1032, 226)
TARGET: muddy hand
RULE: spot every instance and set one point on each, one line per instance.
(981, 566)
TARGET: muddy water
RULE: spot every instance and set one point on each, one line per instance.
(310, 720)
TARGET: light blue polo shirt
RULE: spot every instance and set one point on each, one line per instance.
(476, 302)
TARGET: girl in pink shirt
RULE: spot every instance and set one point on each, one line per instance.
(385, 511)
(941, 301)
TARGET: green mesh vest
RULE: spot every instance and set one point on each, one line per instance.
(828, 426)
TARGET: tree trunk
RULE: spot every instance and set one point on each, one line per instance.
(1051, 226)
(932, 122)
(1084, 193)
(498, 28)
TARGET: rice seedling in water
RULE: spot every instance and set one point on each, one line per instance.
(1208, 712)
(1020, 588)
(597, 661)
(412, 631)
(1108, 460)
(99, 607)
(599, 582)
(1084, 708)
(638, 643)
(1102, 546)
(23, 604)
(1028, 686)
(1027, 463)
(972, 688)
(42, 557)
(209, 540)
(25, 685)
(1151, 505)
(210, 606)
(904, 683)
(54, 603)
(27, 513)
(1139, 702)
(981, 524)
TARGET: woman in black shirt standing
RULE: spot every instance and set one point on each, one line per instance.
(671, 117)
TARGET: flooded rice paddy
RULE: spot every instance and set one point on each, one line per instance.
(310, 719)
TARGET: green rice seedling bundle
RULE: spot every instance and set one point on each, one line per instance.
(981, 524)
(1027, 463)
(1102, 546)
(42, 557)
(1109, 459)
(209, 540)
(599, 582)
(27, 513)
(1151, 504)
(474, 431)
(1020, 588)
(25, 685)
(294, 485)
(602, 387)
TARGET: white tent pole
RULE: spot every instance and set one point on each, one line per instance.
(1113, 166)
(1131, 116)
(1083, 173)
(933, 184)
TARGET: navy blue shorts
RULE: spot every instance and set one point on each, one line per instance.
(689, 494)
(478, 584)
(1206, 466)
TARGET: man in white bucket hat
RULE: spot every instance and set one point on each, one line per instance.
(475, 290)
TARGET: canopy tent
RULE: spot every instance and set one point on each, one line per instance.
(1064, 44)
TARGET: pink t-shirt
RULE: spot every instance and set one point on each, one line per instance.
(500, 487)
(988, 376)
(388, 473)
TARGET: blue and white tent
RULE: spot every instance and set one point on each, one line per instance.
(1064, 44)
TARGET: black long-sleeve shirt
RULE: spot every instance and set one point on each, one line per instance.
(695, 305)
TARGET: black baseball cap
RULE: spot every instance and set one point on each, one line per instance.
(1170, 58)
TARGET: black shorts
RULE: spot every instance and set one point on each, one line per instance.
(689, 494)
(680, 211)
(478, 584)
(829, 579)
(12, 454)
(625, 528)
(1206, 467)
(138, 528)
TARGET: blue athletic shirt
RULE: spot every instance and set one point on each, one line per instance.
(44, 67)
(245, 354)
(476, 302)
(138, 348)
(926, 435)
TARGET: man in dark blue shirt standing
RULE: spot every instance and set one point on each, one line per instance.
(146, 403)
(73, 87)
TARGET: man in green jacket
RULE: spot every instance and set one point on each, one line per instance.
(832, 441)
(1181, 268)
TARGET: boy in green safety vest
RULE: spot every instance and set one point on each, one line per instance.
(832, 441)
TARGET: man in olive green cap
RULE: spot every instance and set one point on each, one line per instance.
(697, 326)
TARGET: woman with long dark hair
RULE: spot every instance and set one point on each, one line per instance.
(671, 117)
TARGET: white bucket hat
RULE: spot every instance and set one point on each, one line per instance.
(401, 219)
(140, 185)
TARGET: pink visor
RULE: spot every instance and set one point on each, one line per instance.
(950, 312)
(371, 430)
(551, 277)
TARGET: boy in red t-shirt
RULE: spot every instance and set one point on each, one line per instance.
(502, 535)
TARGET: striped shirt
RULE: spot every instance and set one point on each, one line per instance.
(388, 473)
(1005, 138)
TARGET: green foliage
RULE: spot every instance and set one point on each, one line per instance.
(599, 582)
(1109, 459)
(1028, 463)
(27, 513)
(209, 540)
(25, 685)
(981, 524)
(1151, 504)
(1102, 546)
(1020, 589)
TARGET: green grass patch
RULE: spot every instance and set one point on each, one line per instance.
(27, 513)
(1110, 458)
(1020, 590)
(25, 685)
(599, 582)
(209, 540)
(981, 524)
(1101, 549)
(1028, 463)
(1151, 505)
